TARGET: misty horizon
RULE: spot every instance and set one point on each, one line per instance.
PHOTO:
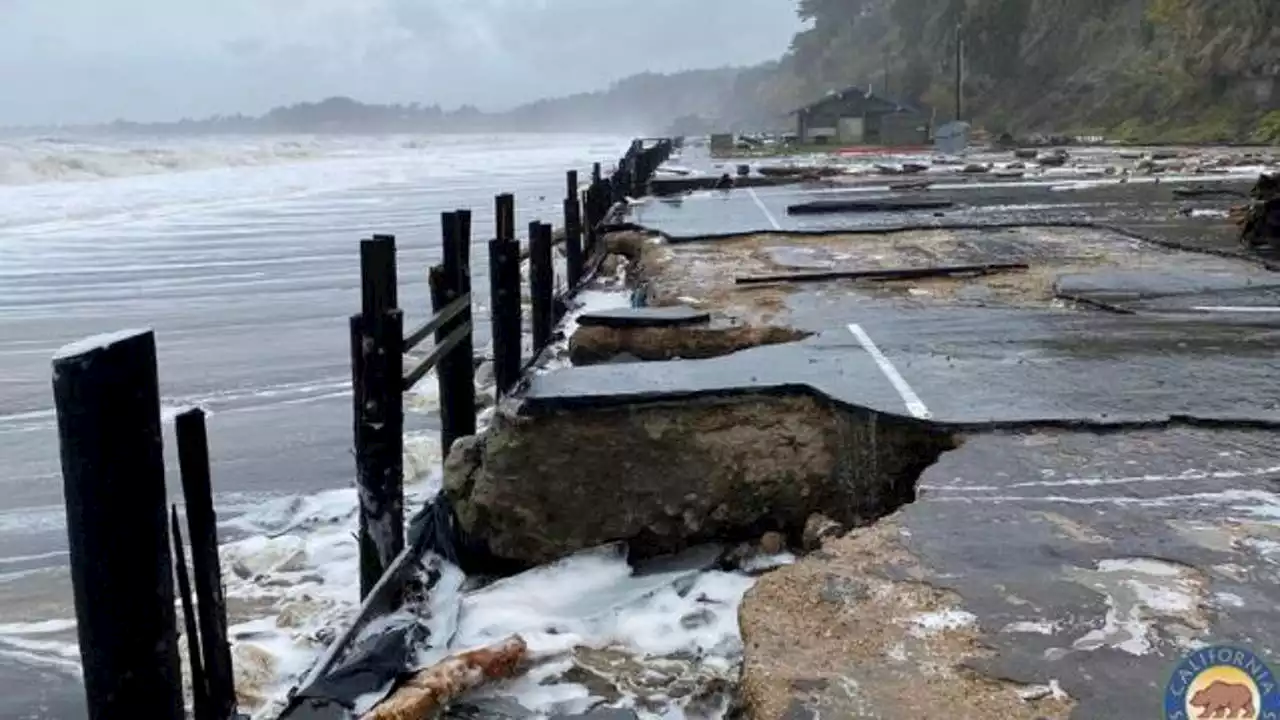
(392, 103)
(76, 62)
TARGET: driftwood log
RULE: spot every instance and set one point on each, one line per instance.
(428, 692)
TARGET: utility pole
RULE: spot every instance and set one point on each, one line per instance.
(959, 70)
(886, 69)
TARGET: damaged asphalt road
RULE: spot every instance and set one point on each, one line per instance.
(1104, 493)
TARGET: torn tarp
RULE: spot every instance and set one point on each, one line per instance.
(387, 647)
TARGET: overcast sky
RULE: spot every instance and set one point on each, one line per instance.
(95, 60)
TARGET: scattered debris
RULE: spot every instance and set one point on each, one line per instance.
(886, 274)
(425, 694)
(821, 207)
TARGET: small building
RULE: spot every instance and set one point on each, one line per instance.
(722, 143)
(857, 116)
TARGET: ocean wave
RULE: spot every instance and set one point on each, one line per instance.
(55, 159)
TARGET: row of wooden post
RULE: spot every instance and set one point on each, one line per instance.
(379, 342)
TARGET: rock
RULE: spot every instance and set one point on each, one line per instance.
(1259, 221)
(665, 476)
(255, 674)
(609, 266)
(772, 543)
(817, 528)
(493, 708)
(673, 316)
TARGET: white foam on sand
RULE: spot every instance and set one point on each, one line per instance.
(591, 606)
(292, 580)
(679, 624)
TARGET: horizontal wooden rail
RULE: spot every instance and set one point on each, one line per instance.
(459, 334)
(428, 328)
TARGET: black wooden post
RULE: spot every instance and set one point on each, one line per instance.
(202, 527)
(378, 337)
(588, 221)
(541, 284)
(199, 683)
(504, 312)
(573, 241)
(636, 172)
(505, 216)
(456, 370)
(571, 184)
(464, 233)
(108, 408)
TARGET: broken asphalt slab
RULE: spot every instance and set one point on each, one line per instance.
(1040, 574)
(644, 317)
(973, 367)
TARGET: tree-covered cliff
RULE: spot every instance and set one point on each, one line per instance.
(1143, 69)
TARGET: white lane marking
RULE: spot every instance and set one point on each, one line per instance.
(1188, 476)
(1257, 503)
(1236, 308)
(760, 204)
(914, 404)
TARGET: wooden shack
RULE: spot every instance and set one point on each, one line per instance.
(857, 116)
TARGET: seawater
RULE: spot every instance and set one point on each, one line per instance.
(242, 254)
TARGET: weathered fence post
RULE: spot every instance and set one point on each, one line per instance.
(464, 233)
(195, 658)
(378, 370)
(573, 241)
(504, 313)
(202, 529)
(589, 220)
(455, 371)
(108, 407)
(504, 297)
(541, 284)
(504, 216)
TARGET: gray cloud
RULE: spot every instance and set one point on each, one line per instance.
(90, 60)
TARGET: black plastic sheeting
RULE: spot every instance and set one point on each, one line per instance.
(386, 649)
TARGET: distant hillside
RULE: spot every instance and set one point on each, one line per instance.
(1137, 69)
(645, 103)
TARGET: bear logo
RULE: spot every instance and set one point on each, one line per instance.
(1222, 683)
(1224, 700)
